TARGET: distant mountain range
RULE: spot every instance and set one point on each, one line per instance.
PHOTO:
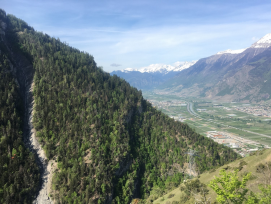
(231, 75)
(241, 75)
(153, 75)
(162, 68)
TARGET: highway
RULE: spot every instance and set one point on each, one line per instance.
(192, 112)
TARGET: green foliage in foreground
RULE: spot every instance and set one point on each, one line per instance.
(108, 141)
(230, 189)
(264, 197)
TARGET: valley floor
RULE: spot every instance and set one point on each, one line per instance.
(244, 127)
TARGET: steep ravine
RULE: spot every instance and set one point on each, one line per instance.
(32, 142)
(23, 70)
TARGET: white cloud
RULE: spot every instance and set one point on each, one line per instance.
(255, 39)
(115, 65)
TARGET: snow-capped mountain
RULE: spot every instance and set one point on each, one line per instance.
(229, 51)
(179, 66)
(231, 75)
(152, 75)
(162, 68)
(210, 75)
(264, 42)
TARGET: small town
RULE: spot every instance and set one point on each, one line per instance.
(263, 111)
(240, 145)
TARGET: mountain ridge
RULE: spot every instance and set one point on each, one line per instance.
(153, 75)
(162, 68)
(203, 77)
(108, 143)
(208, 77)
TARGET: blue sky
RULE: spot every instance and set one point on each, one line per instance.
(134, 34)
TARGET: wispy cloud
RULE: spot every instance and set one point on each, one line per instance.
(254, 39)
(140, 33)
(115, 65)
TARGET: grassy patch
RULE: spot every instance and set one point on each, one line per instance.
(252, 164)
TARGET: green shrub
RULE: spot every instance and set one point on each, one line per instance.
(242, 163)
(227, 168)
(212, 170)
(260, 168)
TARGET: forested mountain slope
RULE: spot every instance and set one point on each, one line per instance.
(109, 143)
(144, 80)
(19, 173)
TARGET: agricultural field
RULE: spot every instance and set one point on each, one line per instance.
(215, 116)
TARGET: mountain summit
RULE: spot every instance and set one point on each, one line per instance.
(229, 51)
(264, 42)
